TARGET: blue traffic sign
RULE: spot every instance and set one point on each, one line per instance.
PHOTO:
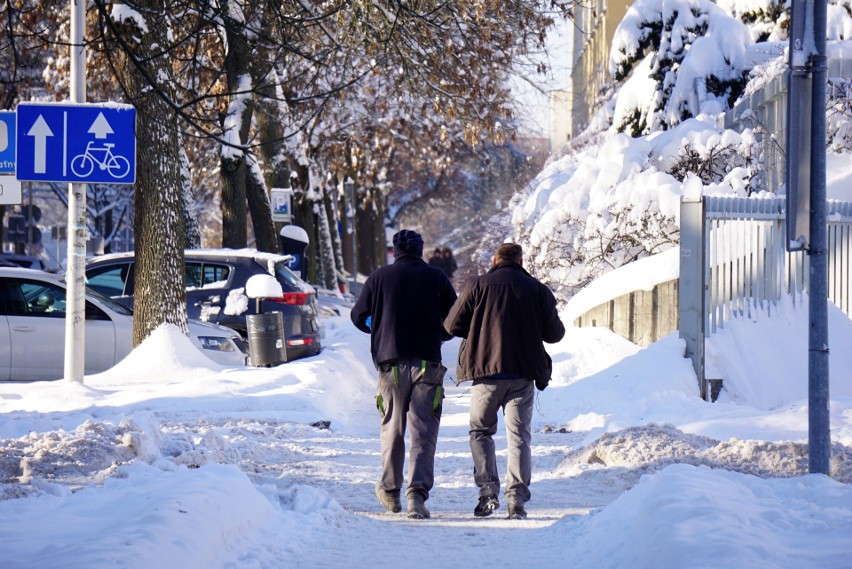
(7, 142)
(87, 143)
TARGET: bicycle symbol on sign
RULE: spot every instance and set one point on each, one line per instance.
(84, 164)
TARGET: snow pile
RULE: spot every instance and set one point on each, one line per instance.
(145, 516)
(650, 448)
(697, 517)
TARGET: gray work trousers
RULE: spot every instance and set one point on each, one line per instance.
(515, 397)
(410, 394)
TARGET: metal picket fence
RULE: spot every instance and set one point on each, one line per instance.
(734, 262)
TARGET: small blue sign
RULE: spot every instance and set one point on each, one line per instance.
(7, 142)
(85, 143)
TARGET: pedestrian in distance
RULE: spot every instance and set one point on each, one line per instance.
(449, 262)
(437, 259)
(504, 317)
(402, 306)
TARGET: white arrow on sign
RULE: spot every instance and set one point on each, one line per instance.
(40, 131)
(100, 128)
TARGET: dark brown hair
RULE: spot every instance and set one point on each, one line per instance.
(509, 252)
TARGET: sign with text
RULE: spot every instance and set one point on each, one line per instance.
(7, 142)
(281, 200)
(86, 143)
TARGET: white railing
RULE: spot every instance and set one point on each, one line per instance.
(734, 262)
(746, 261)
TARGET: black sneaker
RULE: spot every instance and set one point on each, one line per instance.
(486, 506)
(517, 511)
(390, 500)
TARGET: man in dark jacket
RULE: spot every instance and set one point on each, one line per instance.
(504, 316)
(402, 307)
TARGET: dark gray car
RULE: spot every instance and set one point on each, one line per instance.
(215, 291)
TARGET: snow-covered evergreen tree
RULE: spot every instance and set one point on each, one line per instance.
(690, 51)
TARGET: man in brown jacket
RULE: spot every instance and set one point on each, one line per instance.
(504, 316)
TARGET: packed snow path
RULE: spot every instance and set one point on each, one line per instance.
(346, 466)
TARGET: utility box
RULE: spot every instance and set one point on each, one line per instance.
(293, 241)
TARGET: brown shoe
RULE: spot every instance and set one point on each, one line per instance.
(390, 500)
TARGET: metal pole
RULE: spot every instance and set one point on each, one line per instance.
(819, 434)
(75, 318)
(29, 219)
(691, 284)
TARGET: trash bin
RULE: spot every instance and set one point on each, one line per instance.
(294, 241)
(266, 344)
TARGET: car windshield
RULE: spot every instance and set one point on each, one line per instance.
(110, 303)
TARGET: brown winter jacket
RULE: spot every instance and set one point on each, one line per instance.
(504, 316)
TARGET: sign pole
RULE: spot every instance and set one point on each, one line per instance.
(806, 206)
(75, 319)
(819, 431)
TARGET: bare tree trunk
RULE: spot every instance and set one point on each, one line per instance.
(364, 236)
(236, 127)
(379, 224)
(234, 227)
(348, 237)
(332, 199)
(260, 209)
(276, 171)
(303, 212)
(190, 218)
(326, 246)
(158, 198)
(267, 121)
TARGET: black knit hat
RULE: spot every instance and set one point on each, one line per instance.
(407, 241)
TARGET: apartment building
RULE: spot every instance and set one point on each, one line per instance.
(595, 22)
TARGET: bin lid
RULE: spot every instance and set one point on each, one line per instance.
(295, 233)
(263, 286)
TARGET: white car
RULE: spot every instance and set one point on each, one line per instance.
(32, 329)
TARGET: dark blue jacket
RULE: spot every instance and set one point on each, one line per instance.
(407, 302)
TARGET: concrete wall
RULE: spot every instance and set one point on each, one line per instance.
(642, 316)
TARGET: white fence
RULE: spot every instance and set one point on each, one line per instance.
(734, 261)
(764, 111)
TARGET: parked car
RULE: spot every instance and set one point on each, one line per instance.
(25, 261)
(215, 291)
(32, 329)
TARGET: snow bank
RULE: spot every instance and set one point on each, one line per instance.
(689, 516)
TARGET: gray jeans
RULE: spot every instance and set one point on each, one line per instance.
(410, 394)
(515, 397)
